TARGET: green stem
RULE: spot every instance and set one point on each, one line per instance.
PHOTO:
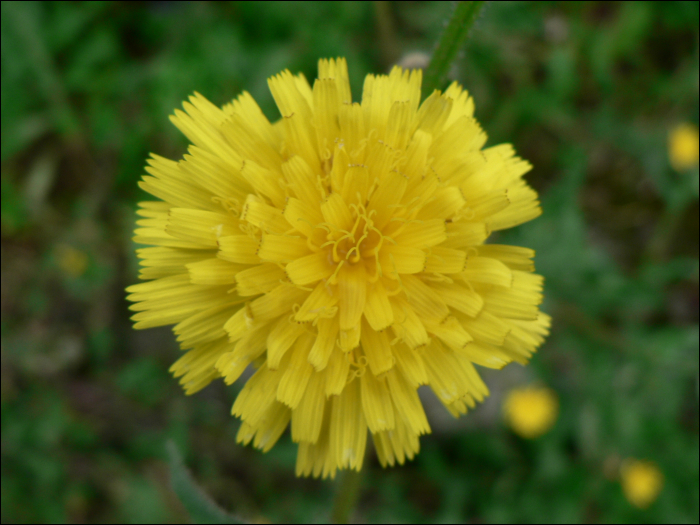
(386, 34)
(346, 497)
(452, 39)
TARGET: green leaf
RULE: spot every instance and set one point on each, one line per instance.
(199, 505)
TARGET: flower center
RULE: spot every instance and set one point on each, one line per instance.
(360, 242)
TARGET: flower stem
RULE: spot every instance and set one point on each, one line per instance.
(455, 34)
(346, 497)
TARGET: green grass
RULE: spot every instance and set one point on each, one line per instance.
(586, 91)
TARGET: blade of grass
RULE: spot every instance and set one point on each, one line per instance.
(199, 505)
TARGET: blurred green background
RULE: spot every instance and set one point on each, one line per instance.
(587, 91)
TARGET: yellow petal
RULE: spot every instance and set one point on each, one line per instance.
(406, 325)
(326, 108)
(446, 202)
(198, 226)
(423, 300)
(349, 339)
(352, 293)
(433, 113)
(204, 326)
(352, 130)
(300, 139)
(268, 429)
(263, 216)
(397, 445)
(248, 348)
(348, 428)
(246, 107)
(484, 354)
(387, 196)
(257, 396)
(515, 257)
(214, 173)
(158, 237)
(293, 101)
(488, 271)
(170, 260)
(356, 184)
(378, 310)
(252, 143)
(303, 182)
(337, 373)
(407, 403)
(203, 134)
(264, 182)
(377, 348)
(336, 212)
(324, 344)
(281, 339)
(451, 332)
(274, 303)
(446, 376)
(422, 234)
(310, 268)
(461, 234)
(213, 271)
(173, 293)
(486, 328)
(462, 103)
(259, 279)
(337, 69)
(460, 298)
(282, 248)
(196, 368)
(462, 136)
(319, 303)
(518, 302)
(296, 374)
(400, 259)
(301, 216)
(307, 417)
(398, 131)
(376, 403)
(523, 208)
(239, 249)
(445, 260)
(489, 204)
(315, 458)
(410, 364)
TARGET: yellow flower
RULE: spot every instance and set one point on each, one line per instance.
(72, 261)
(683, 144)
(531, 411)
(641, 482)
(341, 252)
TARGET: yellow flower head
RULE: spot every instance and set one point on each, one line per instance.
(341, 252)
(641, 482)
(72, 261)
(531, 411)
(683, 145)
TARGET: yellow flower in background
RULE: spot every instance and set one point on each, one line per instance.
(683, 144)
(531, 411)
(72, 261)
(341, 252)
(641, 482)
